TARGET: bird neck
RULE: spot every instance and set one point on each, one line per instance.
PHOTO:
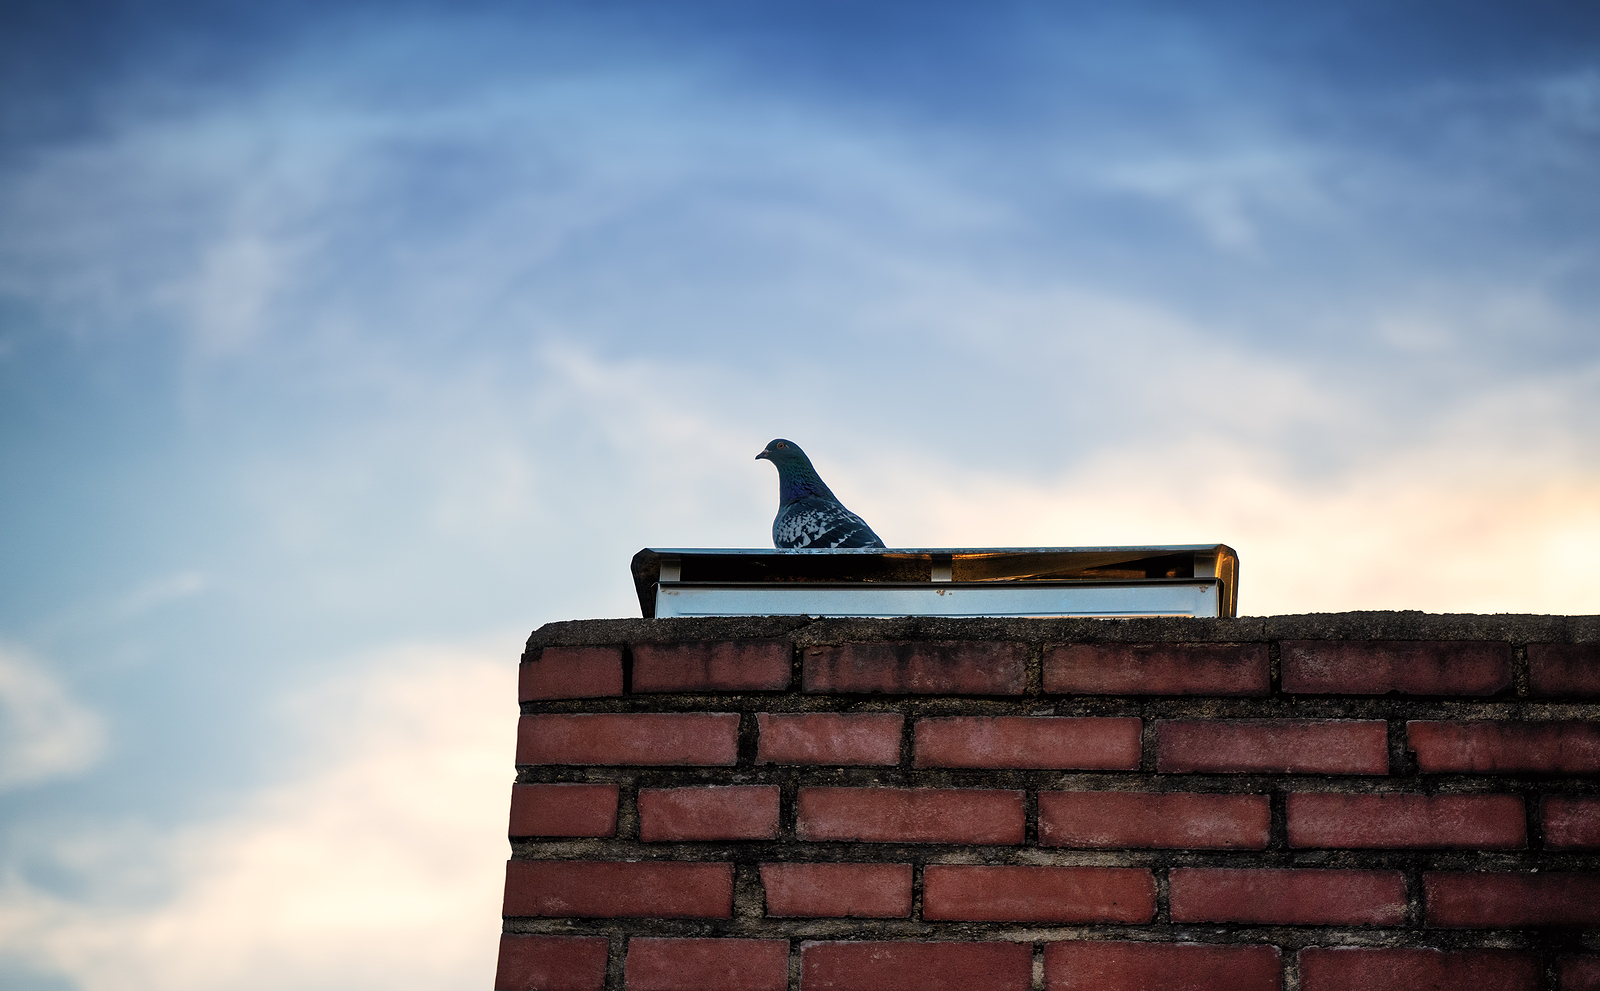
(798, 480)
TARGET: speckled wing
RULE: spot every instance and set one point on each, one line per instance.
(821, 523)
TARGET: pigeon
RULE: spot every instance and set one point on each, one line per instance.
(808, 513)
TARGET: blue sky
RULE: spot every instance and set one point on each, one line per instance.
(343, 344)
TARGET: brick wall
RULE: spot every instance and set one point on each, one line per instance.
(1354, 801)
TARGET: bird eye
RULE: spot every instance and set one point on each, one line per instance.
(780, 445)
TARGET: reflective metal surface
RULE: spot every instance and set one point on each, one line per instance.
(1173, 580)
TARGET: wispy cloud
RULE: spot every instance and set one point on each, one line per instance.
(44, 732)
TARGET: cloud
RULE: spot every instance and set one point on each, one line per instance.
(375, 863)
(44, 732)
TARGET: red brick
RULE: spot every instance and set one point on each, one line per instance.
(1485, 900)
(905, 966)
(1294, 896)
(1037, 894)
(1088, 743)
(954, 668)
(571, 673)
(706, 964)
(1415, 822)
(837, 891)
(563, 810)
(1157, 669)
(910, 815)
(1564, 668)
(615, 889)
(1284, 746)
(1352, 968)
(737, 812)
(1084, 965)
(1571, 823)
(713, 666)
(1580, 973)
(1123, 819)
(1409, 667)
(829, 738)
(551, 963)
(704, 738)
(1470, 745)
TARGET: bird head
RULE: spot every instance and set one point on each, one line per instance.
(781, 452)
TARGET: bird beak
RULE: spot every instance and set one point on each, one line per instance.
(763, 456)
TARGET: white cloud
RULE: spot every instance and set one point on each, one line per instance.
(44, 732)
(377, 864)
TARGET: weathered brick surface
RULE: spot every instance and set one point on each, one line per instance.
(1114, 965)
(563, 810)
(571, 673)
(1571, 823)
(1570, 669)
(1298, 896)
(1307, 746)
(1484, 822)
(1176, 820)
(861, 891)
(1157, 669)
(1037, 894)
(1377, 667)
(1056, 742)
(829, 738)
(551, 963)
(949, 799)
(917, 668)
(717, 666)
(911, 815)
(645, 738)
(610, 889)
(1505, 900)
(656, 964)
(907, 966)
(731, 812)
(1579, 973)
(1350, 968)
(1570, 747)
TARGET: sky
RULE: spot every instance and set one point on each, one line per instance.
(343, 344)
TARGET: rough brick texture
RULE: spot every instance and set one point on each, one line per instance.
(1504, 900)
(1356, 667)
(1357, 802)
(571, 673)
(1350, 968)
(563, 810)
(911, 815)
(973, 668)
(1571, 823)
(1240, 746)
(829, 738)
(1114, 819)
(1157, 669)
(1310, 896)
(908, 966)
(716, 666)
(1060, 742)
(1364, 822)
(860, 891)
(709, 738)
(1579, 973)
(1038, 894)
(551, 963)
(734, 812)
(706, 964)
(1084, 965)
(1571, 669)
(1568, 747)
(601, 889)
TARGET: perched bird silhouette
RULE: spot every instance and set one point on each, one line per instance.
(808, 513)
